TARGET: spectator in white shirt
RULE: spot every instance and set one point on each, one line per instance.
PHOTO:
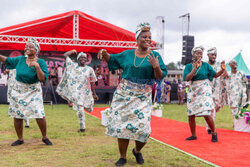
(59, 73)
(4, 79)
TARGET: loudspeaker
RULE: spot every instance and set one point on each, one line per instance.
(186, 60)
(187, 46)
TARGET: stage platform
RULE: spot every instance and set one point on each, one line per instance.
(104, 93)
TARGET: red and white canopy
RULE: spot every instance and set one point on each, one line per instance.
(66, 31)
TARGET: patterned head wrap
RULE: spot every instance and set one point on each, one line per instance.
(142, 27)
(232, 61)
(212, 50)
(81, 54)
(34, 42)
(197, 48)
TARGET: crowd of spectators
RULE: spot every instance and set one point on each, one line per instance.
(170, 91)
(161, 92)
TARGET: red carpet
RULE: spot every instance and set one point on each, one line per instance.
(232, 149)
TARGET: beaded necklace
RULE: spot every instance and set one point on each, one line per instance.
(137, 66)
(29, 61)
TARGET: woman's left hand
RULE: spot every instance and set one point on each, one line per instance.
(223, 65)
(33, 63)
(96, 97)
(153, 61)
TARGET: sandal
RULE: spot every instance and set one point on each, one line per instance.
(81, 130)
(138, 157)
(121, 162)
(17, 143)
(47, 142)
(214, 137)
(191, 138)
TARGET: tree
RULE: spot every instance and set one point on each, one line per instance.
(179, 65)
(174, 66)
(171, 66)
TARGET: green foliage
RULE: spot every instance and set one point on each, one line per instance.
(171, 66)
(243, 112)
(175, 66)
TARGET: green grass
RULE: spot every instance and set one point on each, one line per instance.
(92, 148)
(223, 118)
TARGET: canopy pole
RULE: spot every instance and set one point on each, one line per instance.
(75, 27)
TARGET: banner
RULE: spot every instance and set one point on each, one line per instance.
(55, 59)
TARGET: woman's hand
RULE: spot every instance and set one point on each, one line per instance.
(71, 52)
(101, 53)
(197, 63)
(223, 68)
(39, 72)
(33, 63)
(153, 61)
(155, 64)
(95, 97)
(3, 58)
(223, 65)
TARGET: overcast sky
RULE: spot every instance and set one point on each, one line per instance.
(224, 24)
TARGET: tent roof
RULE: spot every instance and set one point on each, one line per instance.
(241, 64)
(66, 31)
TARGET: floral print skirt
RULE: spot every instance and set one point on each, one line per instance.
(75, 90)
(199, 98)
(130, 112)
(11, 82)
(26, 101)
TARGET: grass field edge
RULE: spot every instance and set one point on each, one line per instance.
(175, 148)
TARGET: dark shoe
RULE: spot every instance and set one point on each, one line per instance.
(121, 162)
(138, 157)
(47, 142)
(209, 131)
(81, 130)
(27, 126)
(214, 138)
(18, 142)
(191, 138)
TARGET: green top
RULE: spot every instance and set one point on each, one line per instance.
(24, 73)
(144, 74)
(205, 71)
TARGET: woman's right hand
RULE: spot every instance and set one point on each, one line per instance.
(223, 65)
(197, 63)
(3, 58)
(33, 63)
(71, 52)
(74, 51)
(95, 97)
(101, 53)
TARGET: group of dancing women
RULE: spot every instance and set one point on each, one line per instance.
(208, 82)
(129, 115)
